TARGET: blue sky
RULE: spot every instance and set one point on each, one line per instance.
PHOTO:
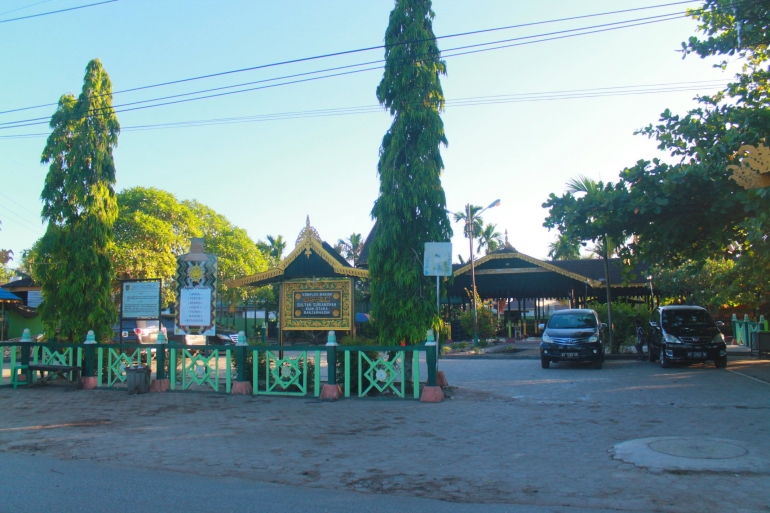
(266, 176)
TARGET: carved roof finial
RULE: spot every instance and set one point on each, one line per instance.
(506, 237)
(308, 232)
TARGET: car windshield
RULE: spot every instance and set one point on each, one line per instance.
(685, 319)
(572, 321)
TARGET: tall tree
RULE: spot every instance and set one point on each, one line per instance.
(75, 268)
(564, 248)
(6, 255)
(351, 247)
(411, 207)
(489, 238)
(151, 230)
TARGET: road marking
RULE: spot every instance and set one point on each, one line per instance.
(747, 376)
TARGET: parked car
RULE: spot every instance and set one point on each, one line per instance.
(682, 333)
(574, 335)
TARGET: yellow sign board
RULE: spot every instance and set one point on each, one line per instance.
(317, 305)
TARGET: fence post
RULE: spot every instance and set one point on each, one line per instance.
(241, 386)
(88, 379)
(161, 383)
(430, 393)
(331, 390)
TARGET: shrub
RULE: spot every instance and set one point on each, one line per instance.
(623, 317)
(487, 322)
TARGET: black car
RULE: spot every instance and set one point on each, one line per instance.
(685, 334)
(573, 336)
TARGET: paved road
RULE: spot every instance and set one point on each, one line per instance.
(40, 483)
(511, 434)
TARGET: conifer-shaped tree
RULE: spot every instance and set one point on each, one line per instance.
(411, 207)
(75, 269)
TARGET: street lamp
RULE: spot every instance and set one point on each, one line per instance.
(470, 216)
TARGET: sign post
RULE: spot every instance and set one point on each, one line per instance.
(437, 261)
(196, 284)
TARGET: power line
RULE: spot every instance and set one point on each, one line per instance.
(565, 34)
(19, 223)
(56, 12)
(459, 102)
(25, 7)
(18, 204)
(365, 49)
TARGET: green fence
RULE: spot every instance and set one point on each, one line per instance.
(742, 330)
(271, 370)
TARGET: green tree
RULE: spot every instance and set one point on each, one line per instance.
(564, 248)
(272, 249)
(411, 207)
(710, 284)
(75, 269)
(6, 255)
(151, 230)
(461, 216)
(351, 247)
(690, 210)
(237, 254)
(489, 238)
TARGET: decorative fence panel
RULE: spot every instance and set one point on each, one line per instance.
(362, 371)
(742, 330)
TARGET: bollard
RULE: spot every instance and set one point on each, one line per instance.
(161, 383)
(88, 379)
(430, 393)
(331, 391)
(241, 386)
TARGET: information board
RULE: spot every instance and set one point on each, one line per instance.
(196, 285)
(317, 305)
(141, 299)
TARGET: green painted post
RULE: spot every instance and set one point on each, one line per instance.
(317, 373)
(160, 358)
(430, 353)
(25, 362)
(331, 364)
(416, 370)
(360, 376)
(255, 371)
(172, 368)
(241, 363)
(229, 379)
(100, 361)
(347, 373)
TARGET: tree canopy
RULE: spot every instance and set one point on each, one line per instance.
(687, 209)
(75, 268)
(411, 207)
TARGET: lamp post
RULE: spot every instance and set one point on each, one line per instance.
(470, 216)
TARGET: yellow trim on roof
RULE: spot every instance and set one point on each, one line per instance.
(545, 265)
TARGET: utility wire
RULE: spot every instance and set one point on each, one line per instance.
(365, 49)
(25, 7)
(459, 102)
(564, 34)
(56, 12)
(23, 225)
(18, 204)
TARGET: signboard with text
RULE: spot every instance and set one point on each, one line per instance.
(140, 299)
(196, 282)
(317, 305)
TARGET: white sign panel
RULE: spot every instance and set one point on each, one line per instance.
(195, 306)
(34, 298)
(141, 299)
(438, 259)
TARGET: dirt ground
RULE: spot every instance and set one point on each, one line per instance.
(509, 432)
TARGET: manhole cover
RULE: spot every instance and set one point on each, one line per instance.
(698, 449)
(693, 453)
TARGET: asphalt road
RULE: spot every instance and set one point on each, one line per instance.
(40, 483)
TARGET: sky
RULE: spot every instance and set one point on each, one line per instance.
(302, 149)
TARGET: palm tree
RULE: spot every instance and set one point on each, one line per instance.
(352, 247)
(339, 247)
(564, 248)
(582, 183)
(277, 247)
(478, 223)
(489, 238)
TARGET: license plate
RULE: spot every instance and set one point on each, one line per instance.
(697, 354)
(569, 355)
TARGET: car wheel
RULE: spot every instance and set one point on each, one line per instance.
(721, 362)
(664, 363)
(545, 363)
(651, 355)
